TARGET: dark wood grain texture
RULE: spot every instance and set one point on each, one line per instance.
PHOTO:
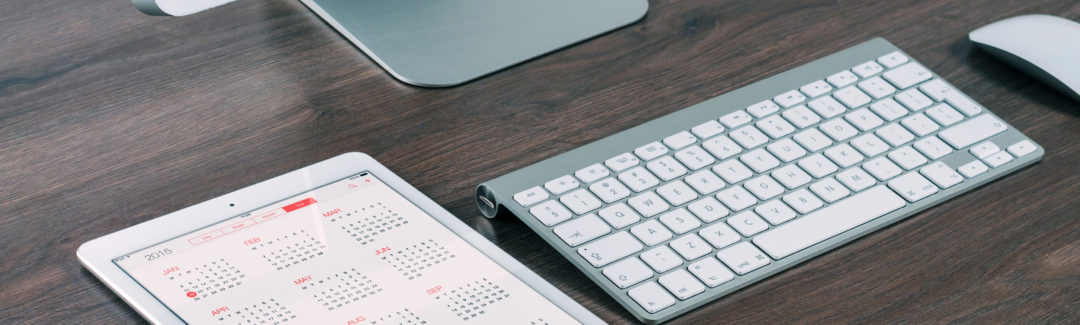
(109, 118)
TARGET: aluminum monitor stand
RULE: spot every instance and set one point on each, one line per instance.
(441, 43)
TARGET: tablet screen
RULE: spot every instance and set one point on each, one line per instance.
(351, 252)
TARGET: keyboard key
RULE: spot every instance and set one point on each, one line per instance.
(782, 241)
(882, 169)
(747, 223)
(578, 231)
(941, 174)
(652, 297)
(791, 176)
(920, 124)
(622, 162)
(592, 173)
(749, 137)
(851, 96)
(676, 193)
(690, 247)
(648, 204)
(877, 87)
(531, 196)
(764, 187)
(743, 258)
(855, 179)
(937, 89)
(562, 184)
(707, 129)
(816, 88)
(775, 126)
(610, 190)
(801, 116)
(818, 166)
(628, 272)
(732, 171)
(971, 131)
(705, 182)
(695, 158)
(894, 134)
(711, 272)
(838, 130)
(619, 215)
(827, 107)
(651, 151)
(790, 98)
(813, 140)
(666, 168)
(964, 104)
(907, 158)
(842, 78)
(722, 147)
(639, 179)
(736, 119)
(651, 232)
(893, 59)
(719, 235)
(844, 155)
(944, 114)
(550, 213)
(870, 145)
(786, 149)
(888, 109)
(760, 160)
(1021, 148)
(682, 284)
(803, 201)
(933, 147)
(736, 198)
(984, 149)
(708, 209)
(775, 211)
(914, 100)
(863, 119)
(907, 75)
(609, 249)
(913, 187)
(580, 201)
(972, 169)
(661, 259)
(868, 69)
(998, 159)
(680, 140)
(763, 108)
(830, 190)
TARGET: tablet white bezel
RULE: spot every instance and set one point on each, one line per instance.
(97, 255)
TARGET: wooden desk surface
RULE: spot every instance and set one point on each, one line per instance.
(109, 118)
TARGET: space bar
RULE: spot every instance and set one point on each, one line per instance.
(828, 222)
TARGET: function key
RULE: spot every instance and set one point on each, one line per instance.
(789, 99)
(893, 59)
(561, 185)
(621, 162)
(680, 140)
(842, 78)
(592, 173)
(868, 69)
(652, 297)
(651, 151)
(816, 88)
(708, 129)
(736, 118)
(530, 196)
(908, 75)
(765, 107)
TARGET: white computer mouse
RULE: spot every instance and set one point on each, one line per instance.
(1045, 47)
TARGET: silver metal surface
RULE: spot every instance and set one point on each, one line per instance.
(448, 42)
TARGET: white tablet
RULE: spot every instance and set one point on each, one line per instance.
(344, 241)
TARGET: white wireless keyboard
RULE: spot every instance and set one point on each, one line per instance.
(682, 210)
